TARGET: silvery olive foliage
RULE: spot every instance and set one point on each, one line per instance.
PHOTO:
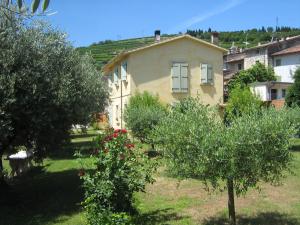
(253, 148)
(45, 87)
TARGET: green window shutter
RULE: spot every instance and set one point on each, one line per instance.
(176, 77)
(210, 74)
(184, 77)
(204, 70)
(116, 75)
(124, 71)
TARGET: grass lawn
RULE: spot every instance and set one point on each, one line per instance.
(51, 194)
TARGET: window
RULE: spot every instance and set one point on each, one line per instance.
(180, 77)
(206, 74)
(116, 75)
(110, 78)
(273, 94)
(240, 66)
(117, 113)
(278, 62)
(124, 71)
(283, 93)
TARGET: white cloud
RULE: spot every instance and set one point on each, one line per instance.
(204, 16)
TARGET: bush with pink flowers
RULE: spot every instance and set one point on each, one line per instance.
(120, 169)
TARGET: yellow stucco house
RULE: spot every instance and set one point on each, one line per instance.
(175, 68)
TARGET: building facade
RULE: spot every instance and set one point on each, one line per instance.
(283, 55)
(173, 69)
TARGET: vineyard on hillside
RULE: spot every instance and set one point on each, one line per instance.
(103, 51)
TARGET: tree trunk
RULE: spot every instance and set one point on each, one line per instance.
(231, 207)
(152, 146)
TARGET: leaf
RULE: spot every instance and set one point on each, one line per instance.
(34, 6)
(45, 5)
(20, 4)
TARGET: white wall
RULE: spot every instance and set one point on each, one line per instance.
(261, 91)
(289, 64)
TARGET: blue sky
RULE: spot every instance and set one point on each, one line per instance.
(88, 21)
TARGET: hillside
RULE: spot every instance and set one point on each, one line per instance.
(103, 51)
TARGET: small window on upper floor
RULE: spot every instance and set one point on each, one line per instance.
(116, 75)
(278, 62)
(179, 77)
(207, 75)
(124, 71)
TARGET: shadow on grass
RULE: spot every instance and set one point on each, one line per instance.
(295, 148)
(41, 197)
(83, 135)
(68, 151)
(268, 218)
(161, 216)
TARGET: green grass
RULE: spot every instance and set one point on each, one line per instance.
(51, 194)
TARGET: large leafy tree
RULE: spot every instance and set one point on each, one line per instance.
(45, 87)
(257, 73)
(254, 148)
(293, 94)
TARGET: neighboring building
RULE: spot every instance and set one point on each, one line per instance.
(283, 55)
(176, 68)
(272, 91)
(286, 62)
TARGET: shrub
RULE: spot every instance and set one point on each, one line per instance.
(241, 101)
(142, 114)
(119, 170)
(293, 94)
(257, 72)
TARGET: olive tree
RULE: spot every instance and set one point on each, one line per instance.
(197, 144)
(142, 114)
(45, 87)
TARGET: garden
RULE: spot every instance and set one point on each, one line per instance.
(185, 163)
(51, 194)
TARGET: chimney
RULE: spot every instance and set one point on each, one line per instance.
(215, 38)
(157, 35)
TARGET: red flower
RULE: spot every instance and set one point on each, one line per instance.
(81, 173)
(108, 138)
(129, 145)
(117, 130)
(115, 135)
(122, 156)
(123, 131)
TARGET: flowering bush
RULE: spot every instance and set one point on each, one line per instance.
(120, 169)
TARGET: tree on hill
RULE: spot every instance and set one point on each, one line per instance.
(253, 149)
(293, 94)
(257, 73)
(45, 88)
